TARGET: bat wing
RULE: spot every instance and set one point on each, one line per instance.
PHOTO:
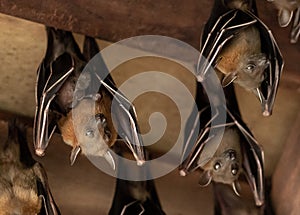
(90, 48)
(49, 82)
(123, 112)
(49, 206)
(54, 70)
(253, 161)
(268, 90)
(224, 30)
(124, 203)
(295, 32)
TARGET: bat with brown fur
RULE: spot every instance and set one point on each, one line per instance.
(62, 89)
(240, 46)
(24, 187)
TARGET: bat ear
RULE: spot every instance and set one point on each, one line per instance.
(74, 153)
(284, 17)
(228, 79)
(205, 178)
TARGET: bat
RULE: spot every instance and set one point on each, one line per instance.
(135, 197)
(24, 187)
(287, 10)
(62, 86)
(224, 159)
(240, 46)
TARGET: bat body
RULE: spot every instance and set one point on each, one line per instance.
(287, 9)
(24, 187)
(65, 97)
(135, 197)
(239, 45)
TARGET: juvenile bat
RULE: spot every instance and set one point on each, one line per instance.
(24, 188)
(61, 88)
(287, 9)
(240, 46)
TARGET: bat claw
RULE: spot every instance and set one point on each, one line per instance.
(266, 113)
(140, 162)
(182, 173)
(40, 152)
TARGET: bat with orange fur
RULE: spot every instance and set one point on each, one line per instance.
(62, 88)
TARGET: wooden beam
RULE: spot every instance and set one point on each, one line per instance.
(116, 19)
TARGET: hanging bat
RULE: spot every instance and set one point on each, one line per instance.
(224, 158)
(60, 88)
(24, 186)
(135, 197)
(287, 9)
(240, 46)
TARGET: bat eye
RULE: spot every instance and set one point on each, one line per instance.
(234, 171)
(89, 133)
(250, 67)
(217, 166)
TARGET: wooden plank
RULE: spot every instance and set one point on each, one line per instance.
(115, 19)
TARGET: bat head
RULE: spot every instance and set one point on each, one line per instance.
(251, 71)
(226, 164)
(88, 128)
(242, 60)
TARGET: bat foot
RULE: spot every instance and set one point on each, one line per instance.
(200, 78)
